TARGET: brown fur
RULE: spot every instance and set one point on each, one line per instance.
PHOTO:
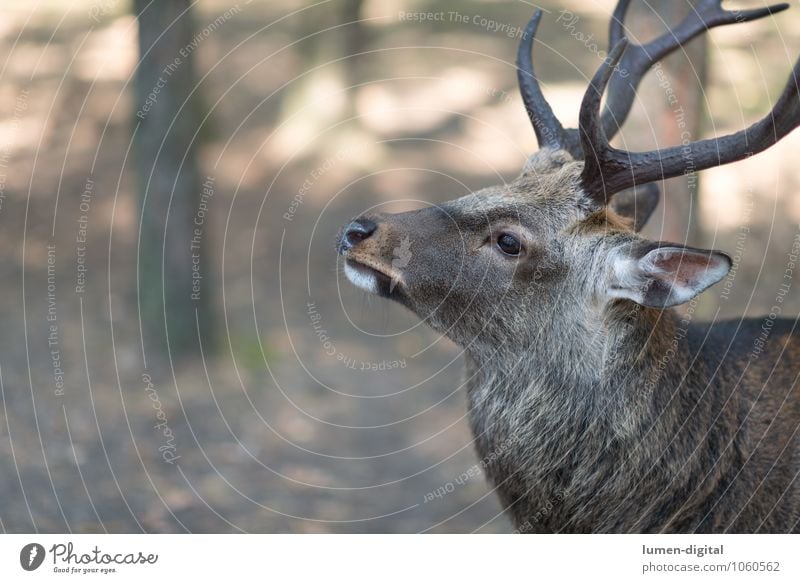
(614, 416)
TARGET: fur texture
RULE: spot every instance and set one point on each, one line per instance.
(599, 414)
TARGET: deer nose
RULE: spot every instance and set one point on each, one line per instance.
(356, 232)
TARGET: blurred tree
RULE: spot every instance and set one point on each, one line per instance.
(169, 185)
(685, 71)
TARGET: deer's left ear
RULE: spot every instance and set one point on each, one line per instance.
(662, 275)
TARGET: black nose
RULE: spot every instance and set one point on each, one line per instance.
(356, 232)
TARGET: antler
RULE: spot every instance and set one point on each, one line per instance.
(635, 63)
(549, 131)
(638, 59)
(608, 170)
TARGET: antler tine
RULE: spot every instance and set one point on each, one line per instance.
(549, 131)
(616, 27)
(638, 59)
(593, 136)
(608, 170)
(635, 63)
(630, 67)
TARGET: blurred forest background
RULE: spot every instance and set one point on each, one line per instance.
(204, 156)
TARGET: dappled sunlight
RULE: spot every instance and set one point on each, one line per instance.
(744, 86)
(375, 9)
(110, 53)
(421, 105)
(38, 59)
(728, 190)
(722, 189)
(21, 135)
(320, 101)
(565, 99)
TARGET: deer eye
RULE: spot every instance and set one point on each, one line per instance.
(509, 244)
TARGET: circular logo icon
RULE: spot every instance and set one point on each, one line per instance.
(31, 556)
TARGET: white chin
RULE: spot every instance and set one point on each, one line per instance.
(358, 278)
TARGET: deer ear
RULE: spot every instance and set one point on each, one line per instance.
(637, 203)
(662, 275)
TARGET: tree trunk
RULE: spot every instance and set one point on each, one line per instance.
(170, 189)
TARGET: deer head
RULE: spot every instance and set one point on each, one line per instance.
(559, 246)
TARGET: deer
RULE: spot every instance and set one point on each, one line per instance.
(596, 405)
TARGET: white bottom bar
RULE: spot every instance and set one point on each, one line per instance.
(403, 558)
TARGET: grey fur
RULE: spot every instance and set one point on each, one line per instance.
(610, 415)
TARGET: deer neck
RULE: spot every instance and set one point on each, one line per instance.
(547, 431)
(607, 369)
